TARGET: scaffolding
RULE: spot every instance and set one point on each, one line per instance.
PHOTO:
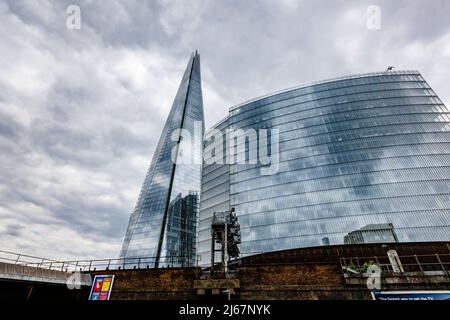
(226, 232)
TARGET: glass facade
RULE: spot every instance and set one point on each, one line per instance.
(354, 153)
(163, 224)
(215, 192)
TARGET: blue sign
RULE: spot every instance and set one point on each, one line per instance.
(411, 295)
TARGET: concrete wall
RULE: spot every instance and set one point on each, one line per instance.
(32, 274)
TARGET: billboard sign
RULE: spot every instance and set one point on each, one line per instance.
(101, 287)
(411, 295)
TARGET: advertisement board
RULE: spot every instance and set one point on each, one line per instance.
(411, 295)
(101, 287)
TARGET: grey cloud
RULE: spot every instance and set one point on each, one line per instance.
(81, 110)
(14, 230)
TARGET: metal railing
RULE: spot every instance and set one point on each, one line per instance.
(24, 259)
(97, 264)
(123, 263)
(410, 263)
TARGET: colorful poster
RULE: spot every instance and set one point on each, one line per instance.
(101, 287)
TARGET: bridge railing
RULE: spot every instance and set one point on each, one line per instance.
(98, 264)
(121, 263)
(23, 259)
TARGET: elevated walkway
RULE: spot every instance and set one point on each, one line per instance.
(17, 267)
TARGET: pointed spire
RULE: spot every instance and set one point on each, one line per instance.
(165, 181)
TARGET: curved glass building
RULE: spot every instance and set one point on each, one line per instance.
(359, 159)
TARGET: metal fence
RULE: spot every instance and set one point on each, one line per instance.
(410, 263)
(98, 264)
(122, 263)
(23, 259)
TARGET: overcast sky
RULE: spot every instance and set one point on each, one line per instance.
(81, 110)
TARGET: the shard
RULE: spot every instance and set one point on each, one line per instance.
(162, 227)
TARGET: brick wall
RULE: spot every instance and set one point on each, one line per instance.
(151, 284)
(311, 273)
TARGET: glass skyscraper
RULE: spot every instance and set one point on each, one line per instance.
(163, 225)
(215, 191)
(363, 158)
